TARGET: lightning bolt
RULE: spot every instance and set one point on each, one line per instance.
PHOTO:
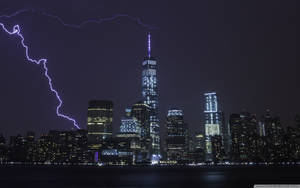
(17, 31)
(80, 25)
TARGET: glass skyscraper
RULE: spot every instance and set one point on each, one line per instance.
(176, 136)
(141, 112)
(213, 122)
(99, 122)
(150, 97)
(212, 115)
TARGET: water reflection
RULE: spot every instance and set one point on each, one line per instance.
(172, 178)
(77, 177)
(213, 176)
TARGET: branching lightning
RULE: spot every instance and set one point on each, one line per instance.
(96, 21)
(17, 31)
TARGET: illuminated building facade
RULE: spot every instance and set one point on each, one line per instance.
(117, 151)
(77, 143)
(196, 148)
(176, 136)
(99, 122)
(130, 125)
(245, 137)
(273, 128)
(199, 140)
(217, 148)
(199, 149)
(65, 146)
(261, 129)
(46, 150)
(131, 129)
(141, 112)
(150, 97)
(274, 137)
(125, 147)
(213, 122)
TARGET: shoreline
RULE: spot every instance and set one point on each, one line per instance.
(95, 166)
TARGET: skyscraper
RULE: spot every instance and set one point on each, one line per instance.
(196, 150)
(135, 126)
(99, 122)
(244, 135)
(150, 97)
(214, 122)
(176, 136)
(199, 140)
(273, 128)
(130, 131)
(141, 112)
(274, 136)
(217, 148)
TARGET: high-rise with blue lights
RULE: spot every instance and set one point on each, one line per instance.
(213, 122)
(141, 112)
(130, 125)
(150, 97)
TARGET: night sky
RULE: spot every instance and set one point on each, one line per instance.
(246, 51)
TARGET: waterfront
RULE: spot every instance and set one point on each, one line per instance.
(152, 177)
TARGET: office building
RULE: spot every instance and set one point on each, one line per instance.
(176, 136)
(245, 137)
(150, 97)
(274, 137)
(99, 122)
(141, 112)
(214, 122)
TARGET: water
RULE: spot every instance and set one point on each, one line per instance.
(150, 177)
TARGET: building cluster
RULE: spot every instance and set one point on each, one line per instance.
(264, 139)
(244, 138)
(55, 147)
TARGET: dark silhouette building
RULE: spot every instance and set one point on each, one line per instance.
(297, 120)
(17, 149)
(3, 149)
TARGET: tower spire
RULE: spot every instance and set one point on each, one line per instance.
(149, 44)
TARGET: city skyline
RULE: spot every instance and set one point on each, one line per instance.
(213, 108)
(213, 114)
(138, 93)
(183, 90)
(250, 140)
